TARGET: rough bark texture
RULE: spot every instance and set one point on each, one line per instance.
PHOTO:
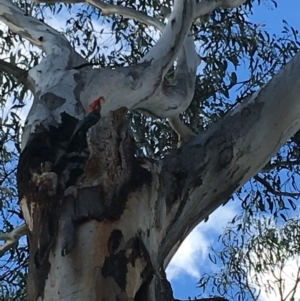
(62, 209)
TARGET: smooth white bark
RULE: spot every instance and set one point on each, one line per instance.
(207, 6)
(11, 238)
(232, 151)
(35, 31)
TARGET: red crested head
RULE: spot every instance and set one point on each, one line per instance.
(96, 105)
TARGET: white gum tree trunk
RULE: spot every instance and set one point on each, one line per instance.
(104, 227)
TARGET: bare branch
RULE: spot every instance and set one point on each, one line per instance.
(11, 238)
(183, 131)
(184, 86)
(157, 97)
(207, 6)
(206, 171)
(19, 74)
(205, 299)
(108, 9)
(35, 31)
(269, 187)
(283, 164)
(169, 45)
(203, 8)
(188, 61)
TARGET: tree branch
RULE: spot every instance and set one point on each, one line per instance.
(265, 183)
(19, 74)
(45, 37)
(11, 238)
(283, 164)
(35, 31)
(147, 90)
(205, 299)
(156, 97)
(207, 170)
(203, 8)
(188, 61)
(170, 43)
(183, 86)
(109, 9)
(207, 6)
(183, 83)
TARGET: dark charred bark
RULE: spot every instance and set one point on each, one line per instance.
(69, 192)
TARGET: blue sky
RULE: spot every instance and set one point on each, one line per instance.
(192, 257)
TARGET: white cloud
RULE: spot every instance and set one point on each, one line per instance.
(193, 255)
(193, 252)
(190, 254)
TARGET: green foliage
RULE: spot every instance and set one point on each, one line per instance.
(262, 258)
(13, 263)
(238, 57)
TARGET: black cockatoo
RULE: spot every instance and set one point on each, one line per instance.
(78, 141)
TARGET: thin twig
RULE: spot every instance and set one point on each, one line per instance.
(274, 191)
(11, 238)
(19, 74)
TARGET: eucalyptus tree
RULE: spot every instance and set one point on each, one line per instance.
(103, 222)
